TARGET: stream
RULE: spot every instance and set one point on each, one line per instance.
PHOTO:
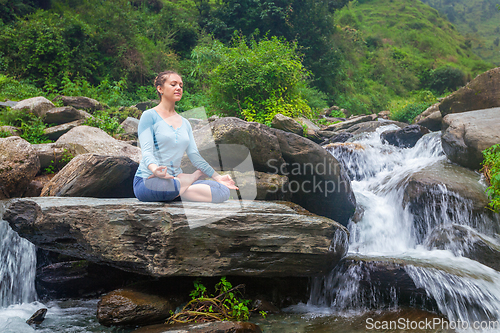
(445, 286)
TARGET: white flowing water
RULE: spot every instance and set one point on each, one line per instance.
(463, 289)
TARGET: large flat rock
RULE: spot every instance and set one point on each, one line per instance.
(182, 238)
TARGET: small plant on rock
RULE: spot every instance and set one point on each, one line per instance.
(225, 305)
(491, 170)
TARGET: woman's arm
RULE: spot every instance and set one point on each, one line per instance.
(146, 139)
(200, 163)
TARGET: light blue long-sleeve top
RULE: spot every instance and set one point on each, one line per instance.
(163, 145)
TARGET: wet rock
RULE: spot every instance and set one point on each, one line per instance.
(465, 241)
(443, 191)
(36, 105)
(63, 115)
(18, 166)
(467, 134)
(342, 137)
(287, 124)
(371, 126)
(263, 305)
(96, 141)
(430, 118)
(129, 307)
(251, 238)
(480, 93)
(318, 182)
(377, 282)
(91, 175)
(325, 134)
(80, 102)
(55, 132)
(212, 327)
(37, 318)
(57, 154)
(406, 137)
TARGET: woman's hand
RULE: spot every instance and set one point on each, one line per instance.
(227, 181)
(161, 172)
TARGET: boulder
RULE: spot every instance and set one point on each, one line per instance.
(430, 118)
(325, 134)
(270, 187)
(406, 137)
(278, 152)
(317, 181)
(80, 102)
(465, 241)
(13, 131)
(57, 154)
(341, 137)
(65, 114)
(445, 191)
(309, 125)
(350, 122)
(249, 238)
(287, 124)
(467, 134)
(371, 126)
(36, 105)
(55, 132)
(130, 125)
(233, 134)
(210, 327)
(129, 307)
(374, 282)
(91, 175)
(96, 141)
(480, 93)
(18, 166)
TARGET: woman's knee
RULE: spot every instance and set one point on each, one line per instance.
(220, 193)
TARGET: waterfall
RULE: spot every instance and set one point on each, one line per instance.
(385, 229)
(17, 267)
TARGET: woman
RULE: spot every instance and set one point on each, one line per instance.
(164, 137)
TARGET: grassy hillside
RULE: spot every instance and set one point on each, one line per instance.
(394, 47)
(479, 20)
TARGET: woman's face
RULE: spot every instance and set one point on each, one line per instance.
(172, 88)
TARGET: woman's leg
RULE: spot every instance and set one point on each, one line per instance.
(206, 191)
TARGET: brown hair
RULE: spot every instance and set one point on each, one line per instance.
(161, 78)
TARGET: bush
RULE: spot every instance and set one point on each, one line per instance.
(31, 126)
(105, 120)
(446, 79)
(491, 168)
(16, 91)
(408, 109)
(256, 80)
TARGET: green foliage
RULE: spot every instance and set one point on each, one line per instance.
(446, 78)
(491, 167)
(31, 126)
(5, 134)
(254, 80)
(106, 121)
(225, 304)
(56, 165)
(405, 110)
(337, 114)
(32, 130)
(16, 91)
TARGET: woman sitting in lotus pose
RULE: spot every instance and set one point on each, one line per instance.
(164, 136)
